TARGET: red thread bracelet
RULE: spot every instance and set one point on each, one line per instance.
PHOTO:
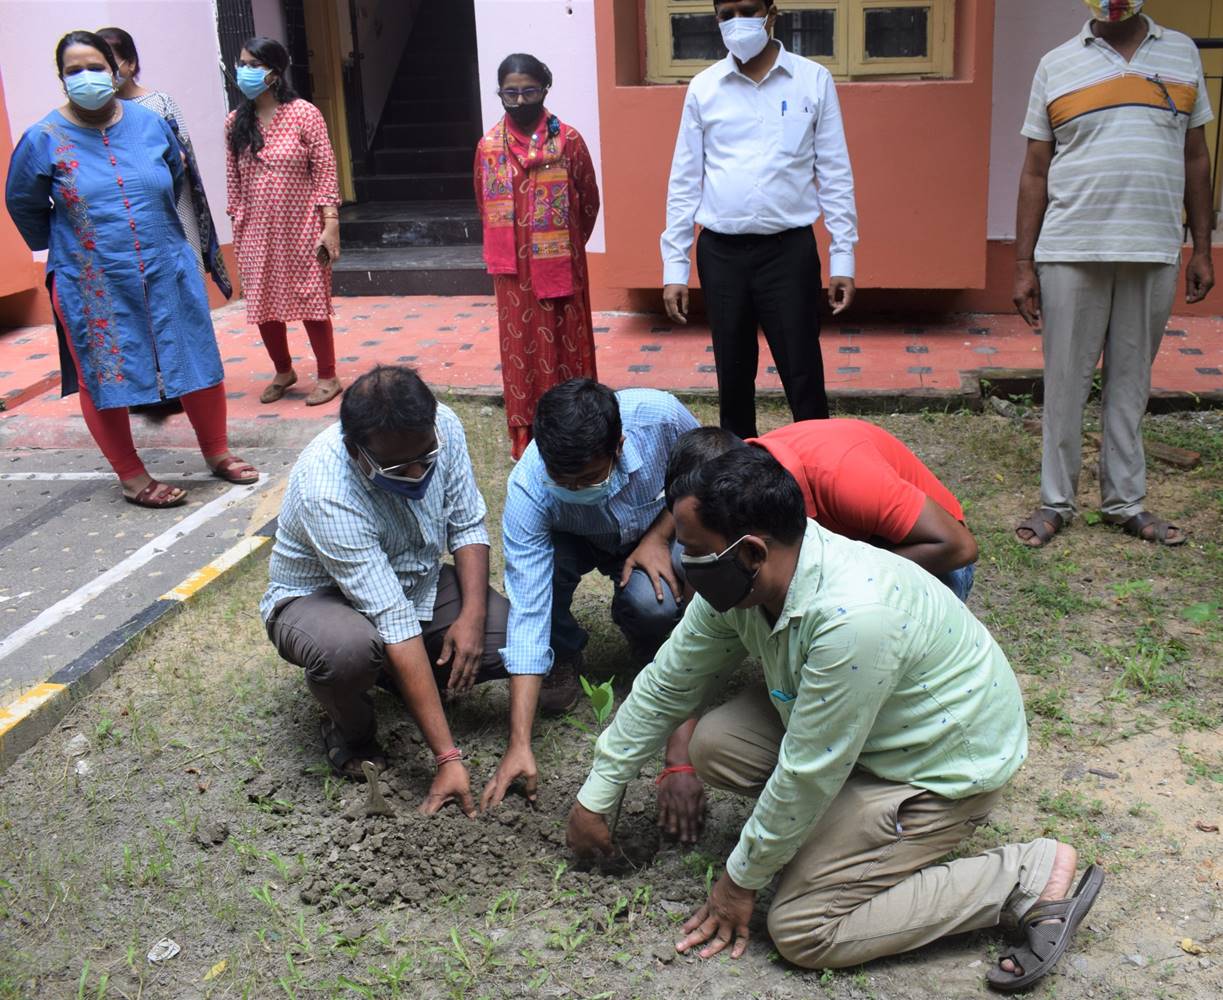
(454, 753)
(677, 769)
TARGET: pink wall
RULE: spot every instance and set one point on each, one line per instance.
(562, 34)
(1023, 32)
(179, 54)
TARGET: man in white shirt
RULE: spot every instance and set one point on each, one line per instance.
(760, 154)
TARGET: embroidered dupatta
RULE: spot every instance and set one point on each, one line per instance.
(542, 157)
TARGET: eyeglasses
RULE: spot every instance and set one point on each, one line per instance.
(528, 94)
(574, 485)
(424, 462)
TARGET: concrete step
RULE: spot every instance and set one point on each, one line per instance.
(391, 224)
(442, 160)
(414, 271)
(428, 135)
(413, 187)
(418, 110)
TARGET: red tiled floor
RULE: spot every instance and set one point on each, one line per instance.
(453, 342)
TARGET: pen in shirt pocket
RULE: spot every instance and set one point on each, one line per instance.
(783, 109)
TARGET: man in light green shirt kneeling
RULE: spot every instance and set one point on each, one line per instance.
(886, 726)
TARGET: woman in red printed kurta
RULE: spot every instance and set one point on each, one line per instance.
(538, 197)
(284, 201)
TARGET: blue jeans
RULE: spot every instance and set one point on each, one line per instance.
(641, 617)
(959, 581)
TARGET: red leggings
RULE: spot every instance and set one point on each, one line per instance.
(112, 428)
(322, 341)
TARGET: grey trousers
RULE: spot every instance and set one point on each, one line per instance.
(868, 881)
(1120, 310)
(342, 653)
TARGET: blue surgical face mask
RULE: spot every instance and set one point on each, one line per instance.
(252, 81)
(586, 496)
(90, 89)
(412, 491)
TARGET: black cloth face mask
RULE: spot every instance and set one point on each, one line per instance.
(720, 578)
(524, 115)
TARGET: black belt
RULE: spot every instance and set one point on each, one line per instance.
(755, 237)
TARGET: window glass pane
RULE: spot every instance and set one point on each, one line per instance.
(696, 36)
(897, 32)
(808, 32)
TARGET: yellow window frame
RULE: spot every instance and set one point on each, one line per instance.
(849, 41)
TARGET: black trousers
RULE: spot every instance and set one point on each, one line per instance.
(770, 282)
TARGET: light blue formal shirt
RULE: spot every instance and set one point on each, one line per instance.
(383, 551)
(652, 422)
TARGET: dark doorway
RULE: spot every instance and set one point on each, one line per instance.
(414, 228)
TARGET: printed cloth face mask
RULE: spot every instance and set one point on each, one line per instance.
(719, 577)
(1114, 10)
(744, 37)
(90, 89)
(252, 81)
(411, 487)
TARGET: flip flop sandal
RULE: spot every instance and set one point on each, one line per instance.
(1044, 524)
(1049, 928)
(275, 392)
(324, 394)
(147, 497)
(231, 470)
(340, 754)
(1138, 524)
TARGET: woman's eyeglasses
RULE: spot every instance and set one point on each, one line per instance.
(528, 94)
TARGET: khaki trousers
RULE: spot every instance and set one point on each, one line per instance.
(1120, 310)
(866, 884)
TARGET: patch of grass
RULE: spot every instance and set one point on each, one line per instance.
(1199, 767)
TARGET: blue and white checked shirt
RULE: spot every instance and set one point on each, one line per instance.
(384, 552)
(652, 422)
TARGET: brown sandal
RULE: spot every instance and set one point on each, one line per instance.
(1160, 529)
(324, 393)
(345, 759)
(1044, 524)
(149, 496)
(235, 470)
(276, 391)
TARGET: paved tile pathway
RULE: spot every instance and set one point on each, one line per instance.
(453, 342)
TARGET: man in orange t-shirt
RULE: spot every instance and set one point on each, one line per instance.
(861, 482)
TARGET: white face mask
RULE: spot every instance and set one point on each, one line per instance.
(744, 37)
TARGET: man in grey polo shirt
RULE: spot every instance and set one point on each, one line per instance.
(1116, 145)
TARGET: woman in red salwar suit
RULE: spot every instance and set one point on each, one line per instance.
(538, 199)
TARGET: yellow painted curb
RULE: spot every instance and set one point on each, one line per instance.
(200, 579)
(13, 714)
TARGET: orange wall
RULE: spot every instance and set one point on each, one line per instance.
(17, 270)
(920, 153)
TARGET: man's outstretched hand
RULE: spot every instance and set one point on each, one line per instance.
(518, 762)
(588, 835)
(721, 921)
(681, 807)
(451, 784)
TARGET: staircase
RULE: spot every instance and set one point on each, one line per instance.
(415, 229)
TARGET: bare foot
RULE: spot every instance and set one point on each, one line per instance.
(1061, 880)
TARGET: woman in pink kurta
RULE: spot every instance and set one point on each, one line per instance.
(284, 202)
(538, 198)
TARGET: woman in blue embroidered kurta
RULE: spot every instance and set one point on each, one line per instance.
(94, 183)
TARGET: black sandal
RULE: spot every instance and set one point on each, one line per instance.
(1044, 524)
(1144, 519)
(345, 759)
(1049, 928)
